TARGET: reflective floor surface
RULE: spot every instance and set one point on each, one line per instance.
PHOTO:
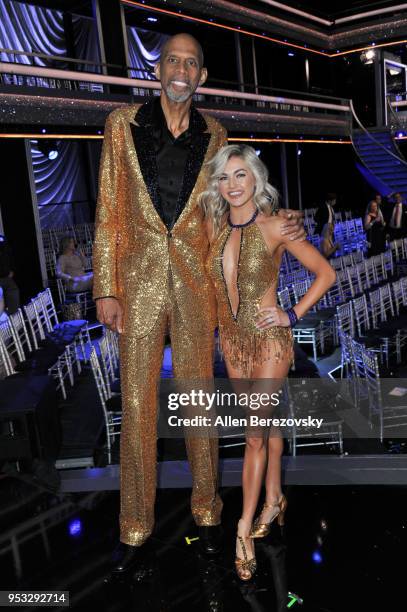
(342, 549)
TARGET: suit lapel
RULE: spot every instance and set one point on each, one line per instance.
(143, 143)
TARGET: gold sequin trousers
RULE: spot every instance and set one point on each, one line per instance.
(140, 363)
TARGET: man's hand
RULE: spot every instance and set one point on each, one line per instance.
(293, 224)
(110, 313)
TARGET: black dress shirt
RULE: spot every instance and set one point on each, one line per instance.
(171, 155)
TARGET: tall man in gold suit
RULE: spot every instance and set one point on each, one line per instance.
(149, 279)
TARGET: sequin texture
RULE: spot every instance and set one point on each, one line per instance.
(240, 340)
(161, 282)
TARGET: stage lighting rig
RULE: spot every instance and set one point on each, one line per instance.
(368, 57)
(48, 148)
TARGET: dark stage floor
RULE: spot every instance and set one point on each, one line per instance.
(342, 549)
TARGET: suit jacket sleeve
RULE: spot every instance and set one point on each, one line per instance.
(106, 221)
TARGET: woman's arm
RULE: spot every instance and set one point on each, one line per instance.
(367, 222)
(325, 275)
(61, 269)
(313, 261)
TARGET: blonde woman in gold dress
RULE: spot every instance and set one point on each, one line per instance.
(255, 333)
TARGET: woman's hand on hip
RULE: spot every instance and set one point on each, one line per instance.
(272, 316)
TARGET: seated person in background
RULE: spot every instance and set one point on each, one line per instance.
(10, 291)
(325, 225)
(71, 267)
(374, 225)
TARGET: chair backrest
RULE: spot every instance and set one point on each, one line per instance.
(10, 342)
(300, 288)
(61, 290)
(347, 360)
(41, 313)
(378, 315)
(357, 257)
(6, 366)
(403, 282)
(396, 248)
(380, 268)
(346, 323)
(334, 295)
(106, 360)
(20, 329)
(354, 280)
(397, 295)
(102, 387)
(386, 302)
(361, 314)
(34, 324)
(284, 298)
(387, 262)
(364, 280)
(370, 272)
(49, 308)
(372, 379)
(337, 263)
(356, 349)
(113, 344)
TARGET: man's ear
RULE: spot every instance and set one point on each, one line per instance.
(203, 77)
(157, 71)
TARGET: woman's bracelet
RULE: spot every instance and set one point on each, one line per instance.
(292, 316)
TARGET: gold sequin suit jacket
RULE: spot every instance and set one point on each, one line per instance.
(159, 277)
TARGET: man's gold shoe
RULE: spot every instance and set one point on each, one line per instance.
(261, 530)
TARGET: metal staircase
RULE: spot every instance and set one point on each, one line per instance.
(382, 163)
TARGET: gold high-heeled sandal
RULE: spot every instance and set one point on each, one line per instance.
(245, 567)
(261, 530)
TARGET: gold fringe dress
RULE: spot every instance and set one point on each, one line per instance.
(240, 341)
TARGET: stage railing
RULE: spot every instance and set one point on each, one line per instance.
(97, 82)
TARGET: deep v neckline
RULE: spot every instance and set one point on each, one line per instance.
(229, 234)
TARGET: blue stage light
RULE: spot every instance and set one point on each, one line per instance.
(258, 151)
(52, 154)
(75, 527)
(400, 134)
(316, 556)
(291, 54)
(152, 19)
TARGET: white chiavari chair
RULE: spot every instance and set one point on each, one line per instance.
(111, 405)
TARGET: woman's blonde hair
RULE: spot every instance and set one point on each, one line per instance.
(214, 206)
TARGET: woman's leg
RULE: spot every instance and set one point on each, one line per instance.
(254, 464)
(274, 375)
